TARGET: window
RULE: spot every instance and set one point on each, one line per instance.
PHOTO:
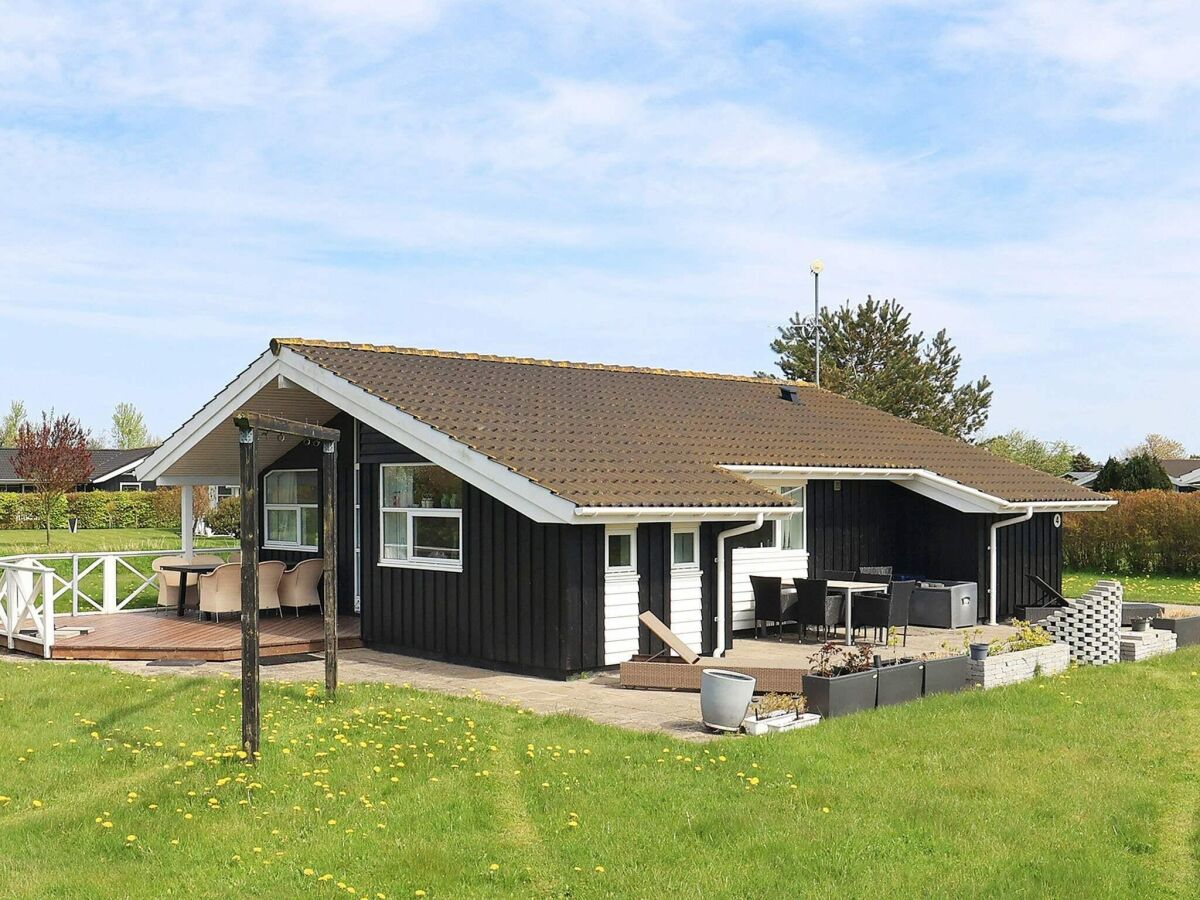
(761, 538)
(685, 544)
(130, 486)
(224, 491)
(622, 551)
(292, 518)
(420, 509)
(792, 532)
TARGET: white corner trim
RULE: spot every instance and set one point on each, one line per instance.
(937, 487)
(121, 471)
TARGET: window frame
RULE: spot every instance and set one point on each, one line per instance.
(298, 509)
(694, 531)
(414, 512)
(129, 487)
(629, 531)
(797, 492)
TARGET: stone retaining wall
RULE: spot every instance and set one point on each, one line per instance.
(1137, 645)
(1009, 668)
(1091, 625)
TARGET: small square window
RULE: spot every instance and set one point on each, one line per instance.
(620, 552)
(683, 549)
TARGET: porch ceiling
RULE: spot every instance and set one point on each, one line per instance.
(216, 454)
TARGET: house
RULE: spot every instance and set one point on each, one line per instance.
(1184, 474)
(113, 470)
(519, 513)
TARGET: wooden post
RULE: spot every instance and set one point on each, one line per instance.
(329, 531)
(250, 688)
(186, 514)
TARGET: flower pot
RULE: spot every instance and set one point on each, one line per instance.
(944, 676)
(1140, 624)
(979, 652)
(792, 723)
(899, 682)
(1187, 631)
(840, 695)
(724, 698)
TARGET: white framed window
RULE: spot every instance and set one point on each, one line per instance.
(685, 547)
(620, 551)
(130, 486)
(291, 515)
(420, 517)
(793, 532)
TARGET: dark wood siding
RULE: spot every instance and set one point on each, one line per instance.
(654, 579)
(880, 523)
(529, 598)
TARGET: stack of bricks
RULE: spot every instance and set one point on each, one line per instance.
(1137, 645)
(1021, 665)
(1091, 625)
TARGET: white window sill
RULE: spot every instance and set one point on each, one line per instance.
(688, 569)
(427, 565)
(621, 574)
(296, 547)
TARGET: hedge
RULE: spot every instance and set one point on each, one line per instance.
(1146, 533)
(95, 509)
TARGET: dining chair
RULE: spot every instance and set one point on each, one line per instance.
(168, 584)
(815, 605)
(883, 612)
(838, 575)
(270, 573)
(298, 587)
(221, 590)
(768, 602)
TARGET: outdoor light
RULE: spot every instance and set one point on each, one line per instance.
(816, 267)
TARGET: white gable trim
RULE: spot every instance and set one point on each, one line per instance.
(121, 471)
(512, 489)
(921, 481)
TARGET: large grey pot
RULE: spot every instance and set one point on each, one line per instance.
(724, 698)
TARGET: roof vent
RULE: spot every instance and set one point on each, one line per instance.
(789, 393)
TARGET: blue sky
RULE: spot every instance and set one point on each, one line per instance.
(635, 181)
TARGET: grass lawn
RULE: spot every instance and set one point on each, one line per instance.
(121, 785)
(1152, 588)
(99, 540)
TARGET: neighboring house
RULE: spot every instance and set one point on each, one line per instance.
(520, 513)
(1184, 474)
(113, 470)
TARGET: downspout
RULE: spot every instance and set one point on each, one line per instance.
(720, 648)
(993, 578)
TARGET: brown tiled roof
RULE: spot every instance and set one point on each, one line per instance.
(1177, 468)
(602, 435)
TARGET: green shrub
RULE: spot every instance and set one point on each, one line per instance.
(226, 517)
(1146, 533)
(1138, 473)
(90, 507)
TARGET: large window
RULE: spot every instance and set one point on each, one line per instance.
(420, 510)
(293, 519)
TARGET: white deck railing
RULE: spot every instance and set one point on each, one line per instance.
(27, 582)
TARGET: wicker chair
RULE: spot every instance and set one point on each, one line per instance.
(815, 605)
(221, 590)
(768, 602)
(269, 575)
(168, 582)
(884, 611)
(298, 587)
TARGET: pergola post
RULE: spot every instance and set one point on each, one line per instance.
(329, 531)
(248, 464)
(186, 514)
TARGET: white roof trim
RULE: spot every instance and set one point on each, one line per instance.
(613, 515)
(121, 471)
(929, 484)
(533, 500)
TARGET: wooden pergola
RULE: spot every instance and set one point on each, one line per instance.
(249, 426)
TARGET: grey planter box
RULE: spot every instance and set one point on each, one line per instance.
(945, 676)
(900, 682)
(1187, 631)
(944, 604)
(840, 695)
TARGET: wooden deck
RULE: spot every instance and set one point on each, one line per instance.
(164, 635)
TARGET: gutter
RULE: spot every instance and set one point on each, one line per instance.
(993, 575)
(720, 648)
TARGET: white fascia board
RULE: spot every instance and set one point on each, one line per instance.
(510, 488)
(121, 471)
(237, 392)
(921, 481)
(630, 515)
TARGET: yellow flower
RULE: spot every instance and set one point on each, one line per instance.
(130, 838)
(824, 809)
(309, 872)
(600, 869)
(37, 804)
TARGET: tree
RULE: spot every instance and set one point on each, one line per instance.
(870, 354)
(10, 424)
(1055, 457)
(54, 457)
(1138, 473)
(1081, 462)
(129, 429)
(1159, 446)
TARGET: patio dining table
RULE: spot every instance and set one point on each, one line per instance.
(184, 570)
(849, 589)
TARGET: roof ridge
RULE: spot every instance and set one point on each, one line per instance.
(276, 343)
